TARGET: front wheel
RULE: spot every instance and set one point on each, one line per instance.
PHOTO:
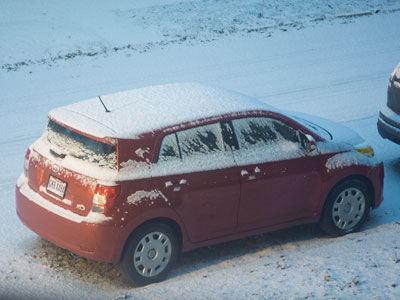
(347, 207)
(149, 254)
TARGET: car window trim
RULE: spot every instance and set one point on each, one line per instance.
(161, 144)
(235, 140)
(179, 146)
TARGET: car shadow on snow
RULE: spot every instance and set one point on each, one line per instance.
(64, 264)
(275, 245)
(258, 246)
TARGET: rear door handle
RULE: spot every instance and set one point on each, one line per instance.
(176, 187)
(246, 172)
(251, 175)
(168, 184)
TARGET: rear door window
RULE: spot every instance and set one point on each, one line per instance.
(201, 140)
(200, 148)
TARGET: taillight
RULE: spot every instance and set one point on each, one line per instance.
(104, 197)
(26, 162)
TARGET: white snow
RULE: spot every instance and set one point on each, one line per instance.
(147, 109)
(140, 152)
(341, 160)
(137, 197)
(334, 67)
(84, 171)
(79, 149)
(339, 132)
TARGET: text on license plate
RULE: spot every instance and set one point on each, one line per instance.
(56, 186)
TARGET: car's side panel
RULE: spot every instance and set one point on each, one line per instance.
(280, 181)
(206, 201)
(282, 191)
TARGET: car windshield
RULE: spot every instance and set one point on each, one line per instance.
(315, 128)
(79, 146)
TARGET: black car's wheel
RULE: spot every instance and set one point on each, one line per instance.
(149, 254)
(346, 208)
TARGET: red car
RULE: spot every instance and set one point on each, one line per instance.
(136, 177)
(389, 116)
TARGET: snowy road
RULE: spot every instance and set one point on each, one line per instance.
(336, 69)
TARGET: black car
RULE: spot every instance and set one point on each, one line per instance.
(389, 116)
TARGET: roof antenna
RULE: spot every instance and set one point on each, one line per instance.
(103, 105)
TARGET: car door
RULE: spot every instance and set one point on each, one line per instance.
(202, 184)
(279, 181)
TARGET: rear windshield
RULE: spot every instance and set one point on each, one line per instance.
(70, 143)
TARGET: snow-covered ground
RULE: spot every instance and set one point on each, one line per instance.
(328, 58)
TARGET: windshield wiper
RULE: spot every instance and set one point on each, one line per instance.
(58, 155)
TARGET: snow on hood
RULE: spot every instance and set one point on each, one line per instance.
(146, 109)
(337, 132)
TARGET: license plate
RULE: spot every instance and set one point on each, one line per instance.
(56, 186)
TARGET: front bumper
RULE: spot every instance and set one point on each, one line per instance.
(90, 238)
(389, 125)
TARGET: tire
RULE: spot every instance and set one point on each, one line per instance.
(346, 208)
(149, 254)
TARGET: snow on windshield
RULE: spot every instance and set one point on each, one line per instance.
(314, 128)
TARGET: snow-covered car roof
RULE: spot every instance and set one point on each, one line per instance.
(147, 109)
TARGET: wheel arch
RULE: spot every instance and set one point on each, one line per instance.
(358, 177)
(158, 220)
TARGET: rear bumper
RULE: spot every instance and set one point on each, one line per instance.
(85, 236)
(389, 125)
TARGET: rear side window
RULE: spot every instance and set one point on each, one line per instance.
(266, 132)
(71, 143)
(201, 140)
(169, 150)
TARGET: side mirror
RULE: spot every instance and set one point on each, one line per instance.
(310, 143)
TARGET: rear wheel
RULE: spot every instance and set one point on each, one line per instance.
(347, 208)
(149, 254)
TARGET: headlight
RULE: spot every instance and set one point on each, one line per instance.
(365, 149)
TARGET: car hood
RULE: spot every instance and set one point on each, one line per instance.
(328, 129)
